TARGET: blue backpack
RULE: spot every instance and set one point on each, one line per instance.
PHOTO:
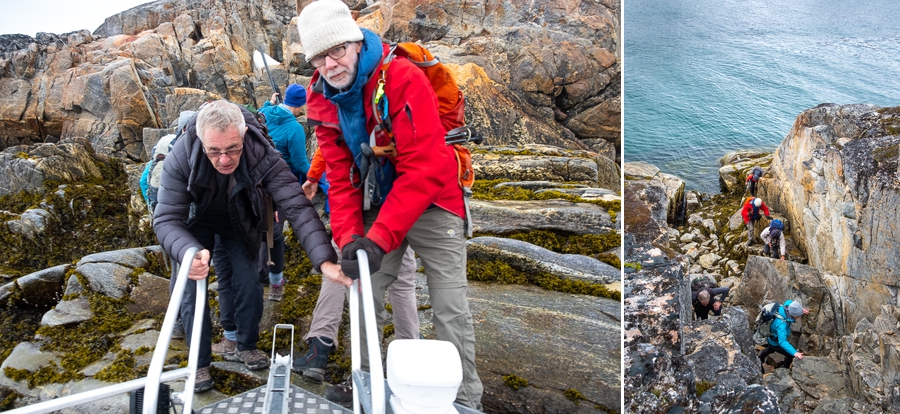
(777, 224)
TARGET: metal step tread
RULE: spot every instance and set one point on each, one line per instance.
(302, 401)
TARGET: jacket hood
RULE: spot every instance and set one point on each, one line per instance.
(277, 114)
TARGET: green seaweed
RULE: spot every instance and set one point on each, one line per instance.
(514, 381)
(501, 272)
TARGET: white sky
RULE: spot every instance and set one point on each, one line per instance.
(58, 16)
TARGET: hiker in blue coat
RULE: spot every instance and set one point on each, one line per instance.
(781, 328)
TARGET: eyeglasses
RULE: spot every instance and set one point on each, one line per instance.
(335, 53)
(231, 152)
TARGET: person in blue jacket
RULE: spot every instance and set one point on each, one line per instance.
(790, 312)
(289, 138)
(286, 132)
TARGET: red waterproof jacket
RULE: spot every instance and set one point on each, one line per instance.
(427, 173)
(748, 210)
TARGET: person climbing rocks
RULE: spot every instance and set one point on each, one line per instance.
(789, 313)
(772, 236)
(754, 208)
(753, 179)
(705, 301)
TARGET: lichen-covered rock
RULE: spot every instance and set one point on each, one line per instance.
(721, 350)
(834, 177)
(521, 330)
(673, 205)
(495, 165)
(508, 216)
(523, 83)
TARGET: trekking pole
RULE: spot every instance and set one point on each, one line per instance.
(462, 135)
(265, 64)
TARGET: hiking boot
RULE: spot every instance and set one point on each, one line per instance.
(204, 381)
(254, 359)
(341, 394)
(276, 292)
(225, 349)
(178, 330)
(312, 365)
(264, 278)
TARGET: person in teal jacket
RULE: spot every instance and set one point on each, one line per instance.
(790, 312)
(286, 132)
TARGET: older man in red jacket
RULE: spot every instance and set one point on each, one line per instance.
(382, 205)
(753, 209)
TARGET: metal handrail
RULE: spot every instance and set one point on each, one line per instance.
(155, 375)
(165, 336)
(376, 373)
(96, 394)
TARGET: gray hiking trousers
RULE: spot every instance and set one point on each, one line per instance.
(439, 238)
(401, 295)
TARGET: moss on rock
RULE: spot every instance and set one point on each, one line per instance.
(514, 381)
(501, 272)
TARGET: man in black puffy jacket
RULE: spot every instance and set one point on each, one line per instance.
(218, 180)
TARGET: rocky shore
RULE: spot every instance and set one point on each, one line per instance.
(83, 285)
(833, 181)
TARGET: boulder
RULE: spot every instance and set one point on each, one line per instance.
(150, 295)
(520, 330)
(38, 289)
(721, 350)
(736, 166)
(506, 216)
(494, 165)
(68, 312)
(27, 168)
(529, 258)
(110, 279)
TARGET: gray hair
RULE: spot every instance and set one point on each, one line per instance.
(220, 115)
(703, 296)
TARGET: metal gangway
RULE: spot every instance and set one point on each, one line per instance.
(370, 391)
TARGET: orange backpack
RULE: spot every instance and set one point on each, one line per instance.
(451, 103)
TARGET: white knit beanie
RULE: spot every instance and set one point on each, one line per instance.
(324, 24)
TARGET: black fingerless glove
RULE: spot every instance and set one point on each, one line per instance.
(349, 262)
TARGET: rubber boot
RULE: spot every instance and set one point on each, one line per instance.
(312, 365)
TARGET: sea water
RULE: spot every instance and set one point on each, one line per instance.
(705, 77)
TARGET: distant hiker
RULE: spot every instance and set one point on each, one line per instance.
(754, 208)
(703, 296)
(753, 179)
(773, 236)
(705, 301)
(412, 197)
(150, 178)
(289, 138)
(150, 188)
(780, 329)
(217, 181)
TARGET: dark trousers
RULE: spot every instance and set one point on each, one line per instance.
(237, 275)
(788, 358)
(277, 252)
